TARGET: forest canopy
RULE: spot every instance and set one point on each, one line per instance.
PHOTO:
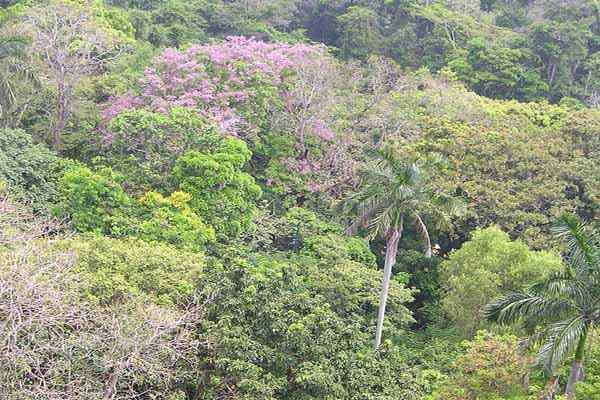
(299, 199)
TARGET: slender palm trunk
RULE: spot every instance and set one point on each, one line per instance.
(576, 367)
(391, 250)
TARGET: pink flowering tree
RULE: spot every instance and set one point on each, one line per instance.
(264, 93)
(217, 79)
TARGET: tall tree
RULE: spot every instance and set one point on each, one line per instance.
(565, 307)
(395, 193)
(360, 32)
(71, 44)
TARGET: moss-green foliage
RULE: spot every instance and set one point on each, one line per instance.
(271, 299)
(485, 267)
(115, 270)
(30, 170)
(518, 165)
(96, 202)
(360, 35)
(323, 240)
(496, 71)
(222, 193)
(305, 232)
(172, 24)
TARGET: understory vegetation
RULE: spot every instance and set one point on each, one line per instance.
(299, 199)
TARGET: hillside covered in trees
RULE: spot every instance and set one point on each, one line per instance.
(299, 199)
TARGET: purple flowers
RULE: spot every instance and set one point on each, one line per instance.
(322, 130)
(215, 79)
(246, 88)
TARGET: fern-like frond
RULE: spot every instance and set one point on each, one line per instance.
(562, 285)
(582, 243)
(562, 339)
(516, 307)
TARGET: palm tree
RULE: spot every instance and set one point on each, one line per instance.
(565, 307)
(395, 193)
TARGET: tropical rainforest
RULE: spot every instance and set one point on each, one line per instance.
(299, 199)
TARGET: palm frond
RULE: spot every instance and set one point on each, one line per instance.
(562, 285)
(390, 190)
(13, 46)
(582, 242)
(518, 306)
(381, 222)
(562, 339)
(364, 211)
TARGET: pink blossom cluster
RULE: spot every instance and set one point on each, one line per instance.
(216, 79)
(222, 82)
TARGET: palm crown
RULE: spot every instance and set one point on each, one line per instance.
(397, 193)
(565, 307)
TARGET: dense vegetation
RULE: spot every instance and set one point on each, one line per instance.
(299, 199)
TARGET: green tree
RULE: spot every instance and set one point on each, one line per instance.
(394, 193)
(566, 306)
(222, 193)
(117, 270)
(171, 220)
(561, 46)
(360, 35)
(143, 145)
(292, 326)
(94, 201)
(499, 72)
(172, 24)
(484, 268)
(30, 170)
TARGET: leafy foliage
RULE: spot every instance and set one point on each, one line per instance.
(144, 145)
(95, 201)
(537, 161)
(171, 220)
(196, 251)
(563, 307)
(485, 267)
(30, 170)
(113, 271)
(221, 192)
(290, 326)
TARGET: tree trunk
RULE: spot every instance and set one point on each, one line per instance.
(62, 113)
(391, 249)
(425, 233)
(576, 367)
